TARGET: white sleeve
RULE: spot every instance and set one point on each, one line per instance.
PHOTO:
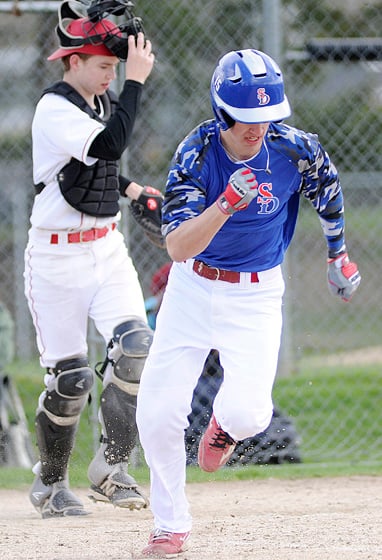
(60, 131)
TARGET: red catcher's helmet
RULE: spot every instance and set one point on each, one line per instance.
(78, 34)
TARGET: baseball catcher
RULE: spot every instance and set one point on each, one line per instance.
(77, 265)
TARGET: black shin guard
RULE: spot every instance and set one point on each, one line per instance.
(127, 352)
(118, 413)
(58, 415)
(55, 444)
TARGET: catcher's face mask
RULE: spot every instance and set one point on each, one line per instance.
(92, 35)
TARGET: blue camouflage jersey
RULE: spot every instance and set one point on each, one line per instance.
(292, 163)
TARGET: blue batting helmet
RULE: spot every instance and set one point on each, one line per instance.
(247, 86)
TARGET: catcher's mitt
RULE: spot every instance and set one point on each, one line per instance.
(147, 212)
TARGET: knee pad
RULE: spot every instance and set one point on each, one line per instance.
(67, 389)
(127, 353)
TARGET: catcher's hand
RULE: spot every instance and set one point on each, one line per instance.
(343, 277)
(147, 212)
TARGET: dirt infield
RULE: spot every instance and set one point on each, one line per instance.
(310, 519)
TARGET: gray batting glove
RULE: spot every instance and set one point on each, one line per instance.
(343, 277)
(240, 191)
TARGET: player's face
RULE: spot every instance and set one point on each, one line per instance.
(95, 74)
(243, 140)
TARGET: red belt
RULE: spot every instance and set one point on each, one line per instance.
(213, 273)
(83, 236)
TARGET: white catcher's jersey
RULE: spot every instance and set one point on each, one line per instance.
(61, 130)
(66, 283)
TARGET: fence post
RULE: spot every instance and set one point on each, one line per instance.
(272, 40)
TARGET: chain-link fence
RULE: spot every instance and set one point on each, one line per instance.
(331, 56)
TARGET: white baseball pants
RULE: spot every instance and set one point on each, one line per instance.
(243, 321)
(65, 284)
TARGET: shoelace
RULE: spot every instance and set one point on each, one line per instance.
(160, 535)
(221, 439)
(110, 484)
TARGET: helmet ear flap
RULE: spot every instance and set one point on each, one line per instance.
(222, 117)
(227, 119)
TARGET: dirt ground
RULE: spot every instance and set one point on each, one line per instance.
(310, 519)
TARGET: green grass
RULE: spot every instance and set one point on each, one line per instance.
(18, 478)
(336, 412)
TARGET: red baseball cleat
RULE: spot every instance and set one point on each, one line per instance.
(163, 544)
(215, 447)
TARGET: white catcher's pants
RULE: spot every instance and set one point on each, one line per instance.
(243, 321)
(65, 284)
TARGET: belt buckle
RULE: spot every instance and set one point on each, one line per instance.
(217, 271)
(210, 268)
(82, 240)
(203, 266)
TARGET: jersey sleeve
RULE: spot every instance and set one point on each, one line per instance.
(60, 131)
(321, 185)
(320, 182)
(111, 142)
(185, 195)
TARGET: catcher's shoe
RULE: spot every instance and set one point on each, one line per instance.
(55, 500)
(215, 447)
(119, 489)
(163, 544)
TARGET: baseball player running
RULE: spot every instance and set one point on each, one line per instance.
(229, 214)
(76, 261)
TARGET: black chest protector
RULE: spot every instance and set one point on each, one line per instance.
(91, 189)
